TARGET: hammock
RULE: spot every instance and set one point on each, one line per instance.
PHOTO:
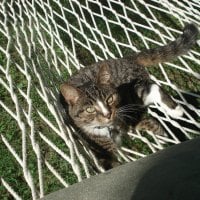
(42, 44)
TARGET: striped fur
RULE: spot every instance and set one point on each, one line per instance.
(104, 99)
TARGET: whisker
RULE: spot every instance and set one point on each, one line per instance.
(125, 116)
(120, 118)
(131, 106)
(127, 109)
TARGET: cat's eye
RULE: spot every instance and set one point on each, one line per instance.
(110, 100)
(90, 109)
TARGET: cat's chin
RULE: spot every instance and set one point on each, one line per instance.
(103, 131)
(99, 130)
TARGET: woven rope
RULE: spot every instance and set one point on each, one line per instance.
(43, 42)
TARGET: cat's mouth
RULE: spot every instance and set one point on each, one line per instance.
(102, 127)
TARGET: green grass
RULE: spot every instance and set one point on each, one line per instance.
(9, 168)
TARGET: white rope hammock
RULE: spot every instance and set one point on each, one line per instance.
(43, 42)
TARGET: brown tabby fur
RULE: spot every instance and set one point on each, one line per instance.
(104, 99)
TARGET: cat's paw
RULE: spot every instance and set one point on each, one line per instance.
(176, 113)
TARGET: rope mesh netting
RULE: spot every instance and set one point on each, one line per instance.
(42, 43)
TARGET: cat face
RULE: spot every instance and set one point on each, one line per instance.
(92, 106)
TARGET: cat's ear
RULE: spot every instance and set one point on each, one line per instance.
(70, 93)
(104, 76)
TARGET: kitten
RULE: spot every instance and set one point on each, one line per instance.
(107, 98)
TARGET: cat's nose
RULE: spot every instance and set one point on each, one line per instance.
(107, 115)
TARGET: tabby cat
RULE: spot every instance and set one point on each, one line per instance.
(106, 99)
